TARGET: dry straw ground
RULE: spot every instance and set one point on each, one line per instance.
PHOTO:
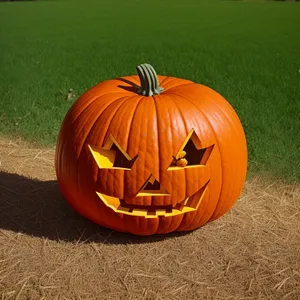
(47, 251)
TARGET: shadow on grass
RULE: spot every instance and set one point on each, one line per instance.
(38, 208)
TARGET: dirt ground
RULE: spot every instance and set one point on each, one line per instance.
(47, 251)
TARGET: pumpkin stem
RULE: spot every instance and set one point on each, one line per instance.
(149, 81)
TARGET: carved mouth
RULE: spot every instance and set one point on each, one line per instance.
(188, 205)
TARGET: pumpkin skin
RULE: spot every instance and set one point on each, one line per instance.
(151, 131)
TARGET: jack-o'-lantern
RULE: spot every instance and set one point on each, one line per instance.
(151, 154)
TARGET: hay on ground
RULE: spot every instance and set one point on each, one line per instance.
(47, 251)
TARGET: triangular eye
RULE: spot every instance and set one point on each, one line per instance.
(121, 161)
(112, 156)
(191, 154)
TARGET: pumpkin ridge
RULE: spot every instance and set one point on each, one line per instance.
(159, 155)
(128, 139)
(237, 133)
(155, 98)
(124, 106)
(187, 131)
(133, 121)
(215, 135)
(140, 110)
(113, 102)
(118, 117)
(89, 132)
(94, 99)
(98, 105)
(169, 79)
(68, 116)
(163, 81)
(185, 125)
(176, 79)
(73, 139)
(167, 90)
(181, 114)
(160, 98)
(125, 99)
(220, 204)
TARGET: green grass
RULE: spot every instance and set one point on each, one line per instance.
(247, 51)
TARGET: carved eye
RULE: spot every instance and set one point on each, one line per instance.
(112, 156)
(191, 154)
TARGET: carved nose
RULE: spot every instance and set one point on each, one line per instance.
(152, 188)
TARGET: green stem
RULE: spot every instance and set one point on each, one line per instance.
(149, 81)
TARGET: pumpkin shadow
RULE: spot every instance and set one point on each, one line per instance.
(37, 208)
(132, 86)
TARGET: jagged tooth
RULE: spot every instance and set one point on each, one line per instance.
(160, 212)
(173, 213)
(139, 212)
(150, 216)
(177, 206)
(123, 209)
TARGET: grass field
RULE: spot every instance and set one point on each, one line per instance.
(247, 51)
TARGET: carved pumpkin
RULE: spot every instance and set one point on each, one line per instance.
(151, 154)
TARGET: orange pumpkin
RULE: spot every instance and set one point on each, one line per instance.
(151, 154)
